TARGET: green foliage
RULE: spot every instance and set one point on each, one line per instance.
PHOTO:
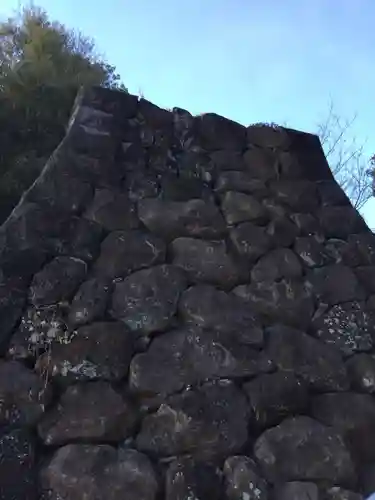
(42, 66)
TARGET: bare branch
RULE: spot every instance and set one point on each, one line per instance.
(346, 158)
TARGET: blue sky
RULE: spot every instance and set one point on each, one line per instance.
(249, 60)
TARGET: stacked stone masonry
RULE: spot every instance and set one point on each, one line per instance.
(186, 313)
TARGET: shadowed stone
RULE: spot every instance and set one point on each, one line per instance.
(211, 422)
(240, 207)
(186, 357)
(275, 396)
(307, 224)
(101, 351)
(172, 219)
(286, 301)
(331, 193)
(90, 302)
(277, 264)
(112, 210)
(301, 196)
(216, 132)
(268, 136)
(23, 394)
(187, 478)
(92, 412)
(314, 453)
(297, 490)
(225, 159)
(321, 367)
(123, 252)
(147, 300)
(352, 415)
(12, 302)
(250, 241)
(337, 493)
(366, 277)
(331, 221)
(209, 308)
(78, 471)
(79, 238)
(242, 480)
(205, 261)
(141, 184)
(364, 247)
(243, 182)
(361, 369)
(63, 192)
(261, 164)
(195, 164)
(179, 189)
(57, 281)
(18, 466)
(335, 284)
(281, 232)
(311, 251)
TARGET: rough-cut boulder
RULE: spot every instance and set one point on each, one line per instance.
(207, 425)
(147, 300)
(187, 478)
(187, 311)
(124, 252)
(315, 453)
(91, 412)
(296, 352)
(274, 396)
(23, 395)
(57, 281)
(243, 480)
(212, 309)
(353, 415)
(100, 351)
(79, 471)
(187, 357)
(18, 465)
(172, 219)
(205, 261)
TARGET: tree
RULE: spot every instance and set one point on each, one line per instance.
(346, 157)
(42, 66)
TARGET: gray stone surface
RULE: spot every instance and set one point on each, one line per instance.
(186, 357)
(197, 290)
(353, 415)
(78, 471)
(18, 466)
(207, 425)
(297, 490)
(147, 300)
(275, 396)
(23, 395)
(206, 261)
(187, 478)
(100, 351)
(243, 480)
(321, 367)
(172, 219)
(91, 411)
(123, 252)
(57, 281)
(212, 309)
(314, 451)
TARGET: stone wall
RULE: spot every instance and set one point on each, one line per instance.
(186, 312)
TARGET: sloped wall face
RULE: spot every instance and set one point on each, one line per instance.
(186, 312)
